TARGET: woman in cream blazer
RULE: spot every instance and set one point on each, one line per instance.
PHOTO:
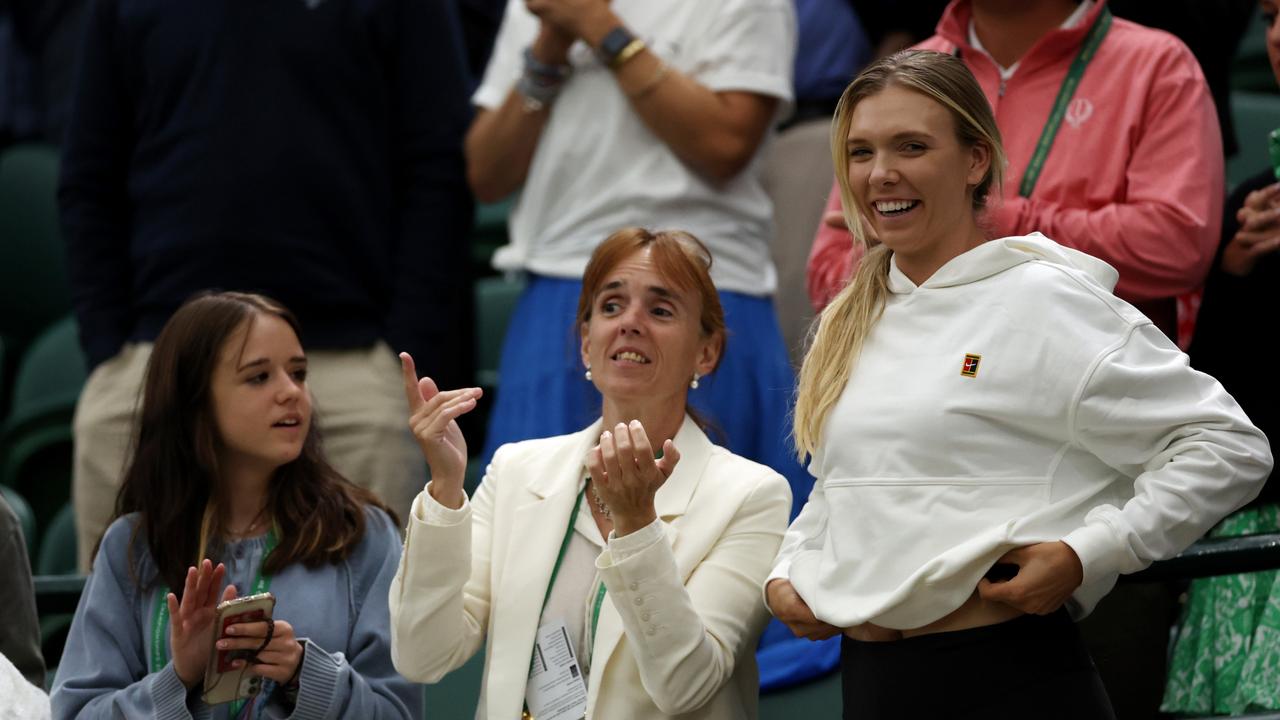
(690, 536)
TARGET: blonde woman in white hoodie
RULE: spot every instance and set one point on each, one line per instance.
(995, 436)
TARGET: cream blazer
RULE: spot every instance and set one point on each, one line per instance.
(679, 625)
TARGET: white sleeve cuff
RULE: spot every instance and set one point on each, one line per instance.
(1096, 548)
(627, 546)
(426, 509)
(781, 571)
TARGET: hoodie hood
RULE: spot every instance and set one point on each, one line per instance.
(996, 256)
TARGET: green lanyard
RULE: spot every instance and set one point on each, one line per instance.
(555, 570)
(1065, 93)
(160, 619)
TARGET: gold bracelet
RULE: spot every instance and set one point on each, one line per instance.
(632, 49)
(652, 85)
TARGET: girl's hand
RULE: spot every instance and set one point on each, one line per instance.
(191, 621)
(627, 477)
(1047, 575)
(433, 418)
(787, 605)
(278, 659)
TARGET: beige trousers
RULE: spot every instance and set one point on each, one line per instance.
(797, 176)
(359, 405)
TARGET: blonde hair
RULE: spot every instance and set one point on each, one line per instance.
(838, 334)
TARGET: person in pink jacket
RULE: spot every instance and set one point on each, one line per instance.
(1134, 172)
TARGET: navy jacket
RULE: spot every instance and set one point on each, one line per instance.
(307, 149)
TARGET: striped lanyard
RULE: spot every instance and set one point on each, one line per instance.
(160, 618)
(1065, 93)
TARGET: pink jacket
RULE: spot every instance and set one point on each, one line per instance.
(1135, 176)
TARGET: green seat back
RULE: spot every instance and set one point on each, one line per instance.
(57, 554)
(1251, 70)
(813, 700)
(495, 301)
(34, 290)
(490, 230)
(1255, 116)
(49, 379)
(36, 438)
(456, 696)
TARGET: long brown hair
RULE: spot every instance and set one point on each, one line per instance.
(845, 323)
(173, 480)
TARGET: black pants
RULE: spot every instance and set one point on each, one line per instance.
(1029, 668)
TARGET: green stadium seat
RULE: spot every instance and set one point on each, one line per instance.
(814, 700)
(26, 519)
(57, 554)
(456, 696)
(1255, 116)
(495, 301)
(490, 231)
(36, 437)
(1251, 70)
(34, 289)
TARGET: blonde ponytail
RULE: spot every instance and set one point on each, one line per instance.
(841, 329)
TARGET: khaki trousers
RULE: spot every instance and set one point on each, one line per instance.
(797, 176)
(359, 405)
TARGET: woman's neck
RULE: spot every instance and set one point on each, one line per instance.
(919, 267)
(1009, 28)
(246, 503)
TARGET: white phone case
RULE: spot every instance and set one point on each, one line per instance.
(222, 682)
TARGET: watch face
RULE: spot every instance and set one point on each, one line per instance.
(614, 42)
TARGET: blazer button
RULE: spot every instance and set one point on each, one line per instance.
(635, 586)
(644, 616)
(651, 631)
(639, 601)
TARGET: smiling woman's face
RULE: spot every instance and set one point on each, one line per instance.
(644, 340)
(911, 176)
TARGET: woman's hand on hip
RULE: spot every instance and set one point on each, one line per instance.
(627, 477)
(1047, 575)
(787, 605)
(277, 652)
(433, 417)
(191, 621)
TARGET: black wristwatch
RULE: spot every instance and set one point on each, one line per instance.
(613, 43)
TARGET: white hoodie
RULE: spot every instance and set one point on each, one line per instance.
(1077, 421)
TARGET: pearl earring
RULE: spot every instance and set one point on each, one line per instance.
(693, 384)
(587, 374)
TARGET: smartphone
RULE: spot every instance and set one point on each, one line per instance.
(223, 682)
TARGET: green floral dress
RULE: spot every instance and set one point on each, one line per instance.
(1226, 657)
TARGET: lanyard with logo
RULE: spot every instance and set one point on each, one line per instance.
(555, 571)
(1065, 94)
(160, 619)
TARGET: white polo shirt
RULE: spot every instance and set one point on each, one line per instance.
(597, 167)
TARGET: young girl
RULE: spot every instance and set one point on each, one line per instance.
(227, 473)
